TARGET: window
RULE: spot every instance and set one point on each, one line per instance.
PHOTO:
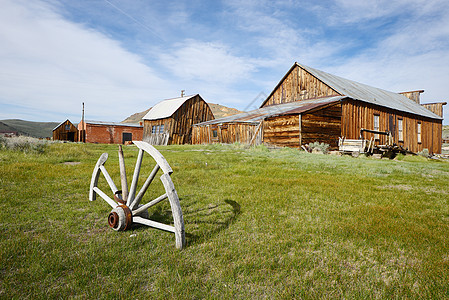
(214, 133)
(400, 131)
(67, 127)
(157, 129)
(376, 126)
(419, 132)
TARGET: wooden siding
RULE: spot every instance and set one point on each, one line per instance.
(179, 125)
(436, 108)
(299, 85)
(413, 95)
(62, 134)
(228, 133)
(282, 131)
(357, 115)
(322, 125)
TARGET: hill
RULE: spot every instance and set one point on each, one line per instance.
(34, 129)
(218, 110)
(137, 117)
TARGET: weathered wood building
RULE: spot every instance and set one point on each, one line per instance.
(170, 121)
(65, 131)
(110, 132)
(329, 107)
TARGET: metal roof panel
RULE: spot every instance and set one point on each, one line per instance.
(366, 93)
(166, 108)
(259, 114)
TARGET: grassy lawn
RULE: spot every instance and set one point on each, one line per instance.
(259, 224)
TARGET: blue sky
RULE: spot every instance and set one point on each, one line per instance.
(122, 57)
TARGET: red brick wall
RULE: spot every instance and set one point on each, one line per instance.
(111, 134)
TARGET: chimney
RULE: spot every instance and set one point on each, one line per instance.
(182, 93)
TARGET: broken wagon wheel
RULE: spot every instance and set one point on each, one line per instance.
(127, 208)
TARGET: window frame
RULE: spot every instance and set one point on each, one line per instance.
(419, 132)
(376, 119)
(400, 129)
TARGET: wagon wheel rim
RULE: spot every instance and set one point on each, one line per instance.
(127, 207)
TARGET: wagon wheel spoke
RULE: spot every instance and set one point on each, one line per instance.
(154, 224)
(144, 188)
(149, 204)
(105, 197)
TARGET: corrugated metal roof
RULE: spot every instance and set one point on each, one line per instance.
(366, 93)
(166, 108)
(112, 123)
(257, 115)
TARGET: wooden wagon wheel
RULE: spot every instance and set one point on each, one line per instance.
(127, 208)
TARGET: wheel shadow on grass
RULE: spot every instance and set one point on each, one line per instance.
(204, 222)
(201, 221)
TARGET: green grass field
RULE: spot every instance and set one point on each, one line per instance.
(259, 224)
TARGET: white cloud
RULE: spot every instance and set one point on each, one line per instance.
(208, 62)
(51, 64)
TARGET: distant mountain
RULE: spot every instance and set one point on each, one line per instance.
(34, 129)
(221, 111)
(137, 117)
(218, 110)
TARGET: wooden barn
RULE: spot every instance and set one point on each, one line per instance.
(110, 132)
(65, 131)
(329, 107)
(170, 121)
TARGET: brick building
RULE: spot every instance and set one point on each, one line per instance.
(109, 132)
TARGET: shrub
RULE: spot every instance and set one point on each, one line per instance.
(2, 142)
(24, 144)
(424, 152)
(319, 146)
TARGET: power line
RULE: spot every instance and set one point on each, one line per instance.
(135, 20)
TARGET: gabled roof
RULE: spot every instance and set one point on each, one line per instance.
(366, 93)
(61, 124)
(166, 108)
(257, 115)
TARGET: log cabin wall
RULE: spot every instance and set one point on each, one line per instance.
(179, 125)
(299, 85)
(66, 131)
(357, 115)
(282, 131)
(322, 125)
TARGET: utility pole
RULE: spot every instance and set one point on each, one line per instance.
(83, 128)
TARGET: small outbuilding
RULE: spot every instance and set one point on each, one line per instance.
(110, 132)
(65, 131)
(170, 121)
